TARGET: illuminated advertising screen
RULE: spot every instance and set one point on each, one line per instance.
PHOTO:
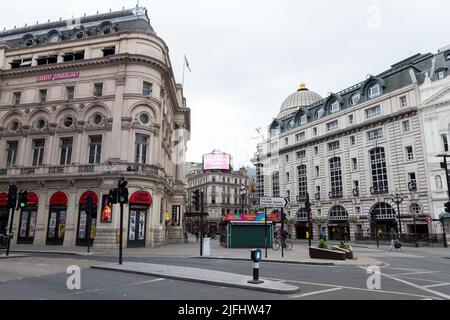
(216, 161)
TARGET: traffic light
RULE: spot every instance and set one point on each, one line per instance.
(113, 196)
(447, 207)
(12, 197)
(123, 192)
(23, 200)
(90, 206)
(196, 199)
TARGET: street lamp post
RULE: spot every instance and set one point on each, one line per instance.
(415, 231)
(397, 198)
(243, 194)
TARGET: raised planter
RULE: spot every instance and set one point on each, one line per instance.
(348, 254)
(317, 253)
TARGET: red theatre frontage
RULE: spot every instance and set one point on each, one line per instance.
(57, 219)
(87, 219)
(140, 203)
(28, 220)
(4, 213)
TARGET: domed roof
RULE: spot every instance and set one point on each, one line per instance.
(302, 98)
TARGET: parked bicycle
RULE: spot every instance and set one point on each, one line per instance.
(288, 245)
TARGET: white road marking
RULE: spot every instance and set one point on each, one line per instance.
(436, 293)
(354, 288)
(314, 293)
(419, 279)
(412, 273)
(438, 285)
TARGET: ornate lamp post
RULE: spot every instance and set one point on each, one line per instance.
(397, 198)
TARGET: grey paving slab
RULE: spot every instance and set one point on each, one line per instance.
(201, 276)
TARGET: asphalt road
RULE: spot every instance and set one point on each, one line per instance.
(414, 275)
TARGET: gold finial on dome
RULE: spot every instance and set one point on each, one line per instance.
(302, 86)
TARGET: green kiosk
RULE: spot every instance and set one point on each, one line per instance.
(249, 234)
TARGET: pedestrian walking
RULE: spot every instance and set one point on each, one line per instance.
(394, 239)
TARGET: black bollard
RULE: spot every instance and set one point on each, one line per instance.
(256, 258)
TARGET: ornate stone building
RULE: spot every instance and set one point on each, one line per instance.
(83, 103)
(353, 150)
(222, 193)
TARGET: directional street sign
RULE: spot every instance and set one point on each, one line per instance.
(274, 202)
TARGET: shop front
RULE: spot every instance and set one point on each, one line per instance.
(57, 219)
(4, 213)
(28, 220)
(383, 219)
(87, 219)
(140, 203)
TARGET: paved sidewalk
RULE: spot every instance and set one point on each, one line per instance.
(200, 276)
(298, 255)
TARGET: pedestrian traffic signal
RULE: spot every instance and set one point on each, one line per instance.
(113, 197)
(447, 207)
(123, 192)
(196, 199)
(23, 200)
(12, 197)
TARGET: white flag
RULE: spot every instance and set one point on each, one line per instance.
(187, 64)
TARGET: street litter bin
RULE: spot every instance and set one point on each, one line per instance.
(207, 247)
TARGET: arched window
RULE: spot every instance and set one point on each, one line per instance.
(336, 178)
(302, 181)
(415, 209)
(383, 211)
(338, 213)
(438, 182)
(379, 171)
(374, 91)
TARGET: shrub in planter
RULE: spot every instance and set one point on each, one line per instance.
(322, 244)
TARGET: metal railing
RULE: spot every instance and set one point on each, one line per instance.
(423, 239)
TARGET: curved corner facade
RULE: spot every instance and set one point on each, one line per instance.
(80, 107)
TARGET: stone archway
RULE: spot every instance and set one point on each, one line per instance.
(382, 218)
(338, 225)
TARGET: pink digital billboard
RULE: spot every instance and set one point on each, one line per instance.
(216, 161)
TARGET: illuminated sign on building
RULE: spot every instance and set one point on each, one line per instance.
(59, 76)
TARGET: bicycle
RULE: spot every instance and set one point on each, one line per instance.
(288, 245)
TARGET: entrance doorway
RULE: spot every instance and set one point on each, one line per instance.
(140, 203)
(87, 220)
(57, 219)
(28, 220)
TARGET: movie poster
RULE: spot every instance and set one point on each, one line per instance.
(132, 232)
(106, 216)
(33, 222)
(62, 224)
(82, 229)
(142, 226)
(23, 224)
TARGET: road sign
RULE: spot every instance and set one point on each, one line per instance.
(274, 202)
(429, 220)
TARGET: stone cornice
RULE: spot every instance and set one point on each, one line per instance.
(87, 64)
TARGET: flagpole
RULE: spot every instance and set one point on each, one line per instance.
(184, 69)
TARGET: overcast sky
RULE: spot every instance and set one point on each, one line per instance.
(247, 56)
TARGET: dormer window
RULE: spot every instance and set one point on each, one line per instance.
(303, 120)
(354, 100)
(335, 106)
(374, 91)
(320, 113)
(441, 74)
